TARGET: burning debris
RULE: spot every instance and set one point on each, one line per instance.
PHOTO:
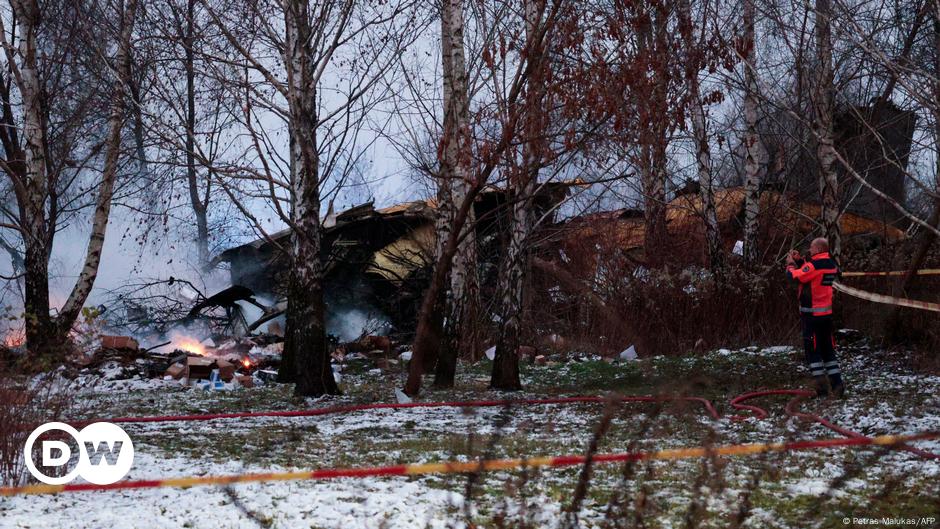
(185, 358)
(234, 359)
(168, 331)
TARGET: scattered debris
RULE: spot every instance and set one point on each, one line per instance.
(490, 353)
(214, 383)
(401, 397)
(628, 354)
(267, 375)
(175, 371)
(198, 367)
(125, 343)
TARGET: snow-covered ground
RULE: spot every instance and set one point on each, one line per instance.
(797, 489)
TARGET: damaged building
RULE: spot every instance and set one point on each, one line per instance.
(874, 139)
(785, 222)
(377, 260)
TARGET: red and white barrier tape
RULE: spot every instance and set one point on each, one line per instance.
(888, 300)
(398, 406)
(736, 403)
(924, 272)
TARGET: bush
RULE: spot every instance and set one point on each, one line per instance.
(25, 404)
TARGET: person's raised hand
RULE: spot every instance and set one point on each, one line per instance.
(793, 256)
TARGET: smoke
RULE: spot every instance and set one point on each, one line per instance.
(350, 324)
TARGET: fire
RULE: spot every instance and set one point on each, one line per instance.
(247, 363)
(188, 344)
(14, 338)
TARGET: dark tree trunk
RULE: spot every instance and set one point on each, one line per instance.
(304, 318)
(445, 368)
(653, 139)
(428, 333)
(656, 236)
(199, 208)
(42, 335)
(306, 348)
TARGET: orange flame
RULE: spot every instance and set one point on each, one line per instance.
(14, 338)
(188, 344)
(247, 363)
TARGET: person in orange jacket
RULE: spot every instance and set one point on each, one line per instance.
(815, 277)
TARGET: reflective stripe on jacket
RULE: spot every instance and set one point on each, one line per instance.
(815, 278)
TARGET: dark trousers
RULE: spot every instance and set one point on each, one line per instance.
(819, 345)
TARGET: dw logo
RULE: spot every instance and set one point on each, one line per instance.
(105, 453)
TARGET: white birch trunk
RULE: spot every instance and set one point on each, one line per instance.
(753, 147)
(86, 279)
(702, 153)
(32, 205)
(825, 147)
(456, 171)
(522, 186)
(305, 331)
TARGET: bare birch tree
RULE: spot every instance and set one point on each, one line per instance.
(522, 183)
(40, 163)
(753, 148)
(823, 128)
(322, 124)
(490, 153)
(462, 305)
(695, 58)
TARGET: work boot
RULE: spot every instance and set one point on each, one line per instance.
(822, 386)
(838, 388)
(838, 391)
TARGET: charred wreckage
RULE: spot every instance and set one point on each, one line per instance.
(377, 261)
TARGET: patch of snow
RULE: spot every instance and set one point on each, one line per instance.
(368, 503)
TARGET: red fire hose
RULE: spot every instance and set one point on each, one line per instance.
(737, 403)
(853, 439)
